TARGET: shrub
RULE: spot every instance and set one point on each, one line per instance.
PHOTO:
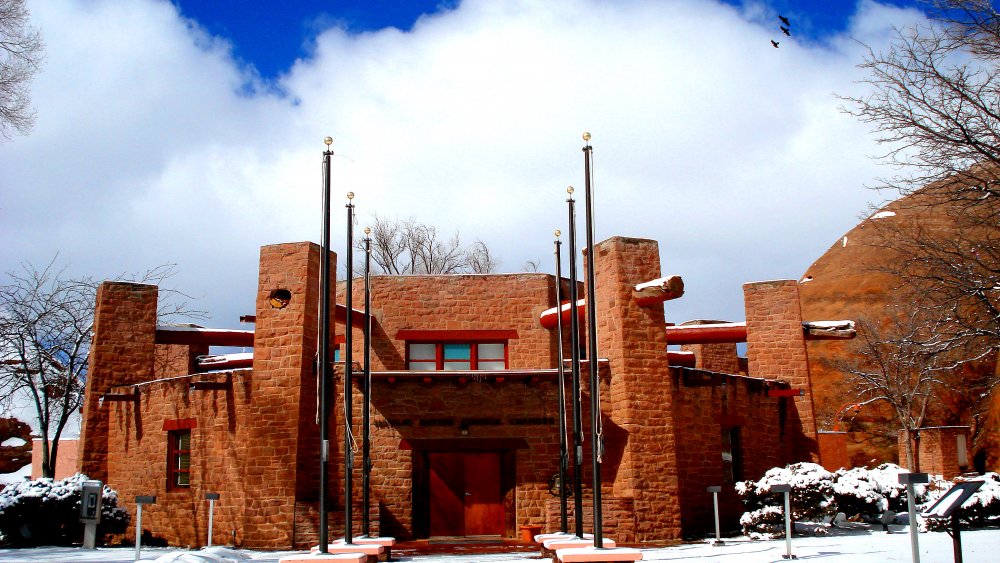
(870, 492)
(979, 510)
(47, 512)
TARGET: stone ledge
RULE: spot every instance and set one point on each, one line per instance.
(594, 555)
(306, 557)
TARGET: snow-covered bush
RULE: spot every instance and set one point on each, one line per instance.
(870, 492)
(811, 497)
(981, 509)
(47, 512)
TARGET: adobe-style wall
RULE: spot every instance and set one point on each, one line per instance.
(283, 440)
(424, 416)
(776, 349)
(121, 353)
(937, 451)
(457, 302)
(633, 339)
(707, 404)
(137, 454)
(721, 358)
(66, 460)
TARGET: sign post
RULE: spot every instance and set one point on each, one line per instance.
(715, 490)
(787, 490)
(911, 479)
(139, 501)
(211, 498)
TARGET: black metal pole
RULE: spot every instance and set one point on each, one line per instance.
(596, 439)
(324, 348)
(574, 333)
(367, 387)
(348, 374)
(563, 454)
(956, 537)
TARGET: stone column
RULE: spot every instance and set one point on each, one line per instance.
(121, 353)
(633, 339)
(282, 438)
(776, 349)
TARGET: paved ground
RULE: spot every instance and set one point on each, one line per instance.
(980, 546)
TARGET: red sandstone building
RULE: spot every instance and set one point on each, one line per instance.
(464, 406)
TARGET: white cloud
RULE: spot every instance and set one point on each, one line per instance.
(731, 153)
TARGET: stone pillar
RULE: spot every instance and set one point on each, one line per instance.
(776, 349)
(282, 438)
(121, 353)
(941, 450)
(634, 341)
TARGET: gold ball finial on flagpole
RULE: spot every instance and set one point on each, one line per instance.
(558, 233)
(586, 136)
(328, 141)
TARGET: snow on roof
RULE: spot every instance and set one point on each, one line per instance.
(223, 358)
(883, 215)
(829, 325)
(653, 283)
(197, 328)
(564, 307)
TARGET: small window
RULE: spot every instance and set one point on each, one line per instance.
(456, 356)
(178, 459)
(732, 456)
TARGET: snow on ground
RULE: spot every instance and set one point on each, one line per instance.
(979, 546)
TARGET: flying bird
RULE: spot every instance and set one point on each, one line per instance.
(785, 21)
(775, 43)
(785, 30)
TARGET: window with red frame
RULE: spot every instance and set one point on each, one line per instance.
(456, 356)
(178, 459)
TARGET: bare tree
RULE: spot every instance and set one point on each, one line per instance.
(46, 327)
(20, 56)
(406, 246)
(934, 103)
(899, 364)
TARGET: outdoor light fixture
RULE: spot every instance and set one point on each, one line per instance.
(279, 298)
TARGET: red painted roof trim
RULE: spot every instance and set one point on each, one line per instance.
(455, 335)
(180, 424)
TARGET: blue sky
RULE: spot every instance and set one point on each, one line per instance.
(272, 34)
(149, 147)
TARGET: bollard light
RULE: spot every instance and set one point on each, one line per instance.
(715, 490)
(787, 490)
(211, 498)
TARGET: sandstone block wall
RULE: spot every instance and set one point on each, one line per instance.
(937, 451)
(640, 403)
(121, 353)
(776, 349)
(137, 454)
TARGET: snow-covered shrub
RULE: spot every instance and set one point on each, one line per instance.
(870, 492)
(979, 510)
(47, 512)
(811, 497)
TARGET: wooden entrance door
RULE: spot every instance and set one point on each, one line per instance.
(465, 494)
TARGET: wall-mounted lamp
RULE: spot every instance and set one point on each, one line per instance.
(464, 429)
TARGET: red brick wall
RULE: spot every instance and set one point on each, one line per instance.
(776, 350)
(833, 450)
(137, 454)
(66, 459)
(721, 358)
(705, 406)
(121, 353)
(176, 359)
(640, 404)
(400, 410)
(283, 438)
(937, 451)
